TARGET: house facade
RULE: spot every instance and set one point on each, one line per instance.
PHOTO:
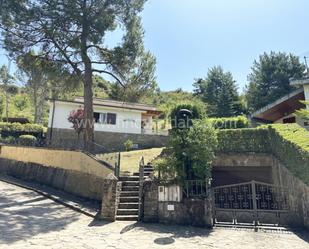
(114, 122)
(283, 109)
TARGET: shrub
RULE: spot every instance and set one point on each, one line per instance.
(192, 151)
(8, 140)
(27, 140)
(17, 129)
(128, 145)
(166, 167)
(230, 123)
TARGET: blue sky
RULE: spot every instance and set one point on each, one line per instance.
(189, 36)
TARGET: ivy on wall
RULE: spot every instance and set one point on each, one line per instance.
(288, 142)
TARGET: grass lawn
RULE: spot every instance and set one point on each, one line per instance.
(130, 159)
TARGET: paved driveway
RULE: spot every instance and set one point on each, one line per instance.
(28, 220)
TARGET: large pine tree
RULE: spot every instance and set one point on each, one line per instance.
(72, 33)
(270, 78)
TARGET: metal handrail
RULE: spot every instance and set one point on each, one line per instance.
(140, 189)
(196, 188)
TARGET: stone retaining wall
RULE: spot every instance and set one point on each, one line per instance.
(73, 182)
(110, 141)
(298, 192)
(55, 158)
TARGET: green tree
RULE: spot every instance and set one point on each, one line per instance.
(20, 102)
(43, 78)
(7, 81)
(71, 33)
(101, 86)
(141, 81)
(1, 104)
(270, 78)
(167, 101)
(219, 91)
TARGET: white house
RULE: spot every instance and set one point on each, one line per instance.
(114, 123)
(109, 115)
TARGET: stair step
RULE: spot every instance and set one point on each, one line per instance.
(129, 194)
(148, 171)
(128, 205)
(127, 211)
(128, 178)
(130, 188)
(127, 217)
(145, 173)
(130, 183)
(129, 199)
(148, 167)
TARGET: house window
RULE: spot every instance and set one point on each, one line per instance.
(111, 118)
(96, 117)
(289, 120)
(105, 118)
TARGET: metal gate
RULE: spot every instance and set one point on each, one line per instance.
(254, 203)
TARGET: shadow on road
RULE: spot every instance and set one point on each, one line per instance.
(24, 214)
(174, 230)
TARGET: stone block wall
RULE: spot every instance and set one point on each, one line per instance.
(150, 202)
(111, 141)
(195, 212)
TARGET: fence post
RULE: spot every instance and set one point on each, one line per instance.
(119, 163)
(117, 166)
(254, 204)
(140, 189)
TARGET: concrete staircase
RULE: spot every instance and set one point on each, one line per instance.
(148, 170)
(129, 195)
(128, 203)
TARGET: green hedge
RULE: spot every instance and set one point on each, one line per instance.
(27, 140)
(230, 123)
(289, 143)
(243, 140)
(17, 129)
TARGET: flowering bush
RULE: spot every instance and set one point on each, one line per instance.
(76, 117)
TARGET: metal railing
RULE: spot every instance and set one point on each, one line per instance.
(140, 189)
(196, 188)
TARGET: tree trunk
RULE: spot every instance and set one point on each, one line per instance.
(88, 94)
(88, 108)
(6, 104)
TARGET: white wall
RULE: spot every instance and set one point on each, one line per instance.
(127, 121)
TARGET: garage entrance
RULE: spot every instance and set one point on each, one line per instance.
(238, 174)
